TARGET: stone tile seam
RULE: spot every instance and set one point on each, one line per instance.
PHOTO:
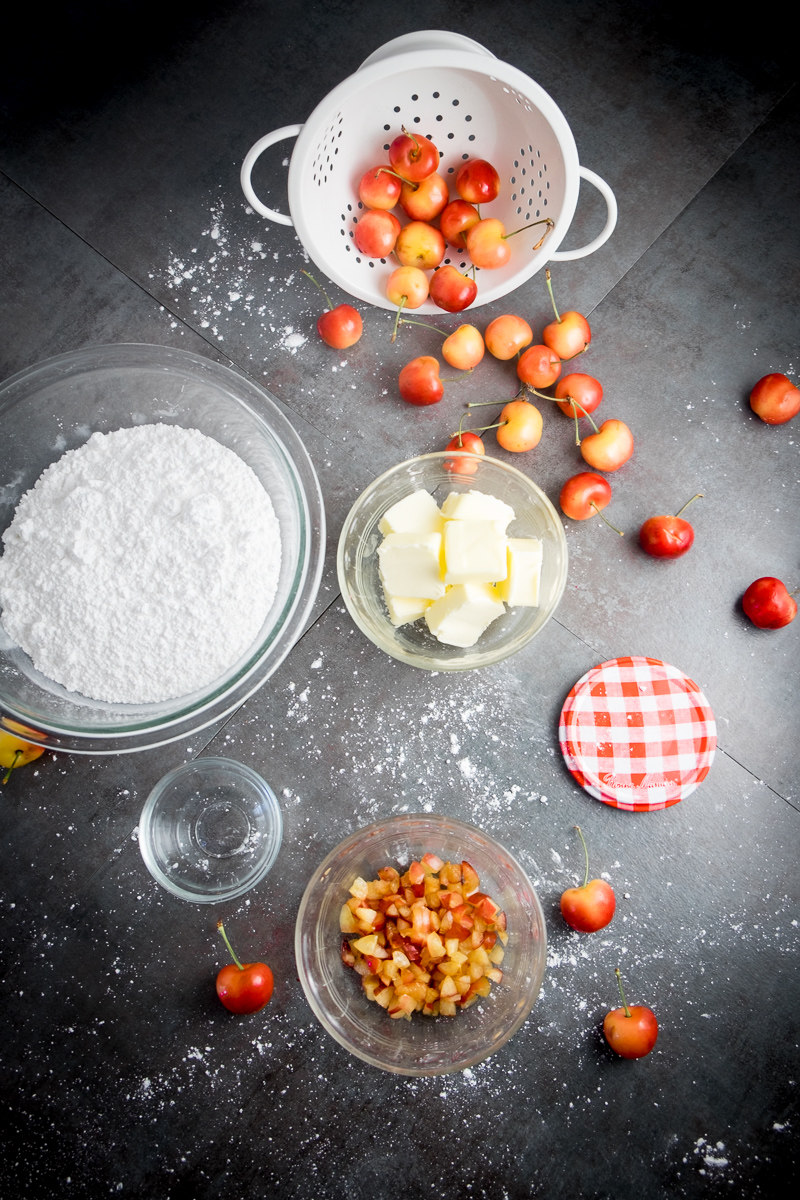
(792, 87)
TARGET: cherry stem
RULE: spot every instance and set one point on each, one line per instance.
(397, 318)
(608, 523)
(321, 288)
(699, 496)
(552, 297)
(221, 928)
(408, 133)
(618, 974)
(544, 221)
(424, 325)
(575, 405)
(17, 757)
(483, 428)
(585, 855)
(389, 171)
(456, 378)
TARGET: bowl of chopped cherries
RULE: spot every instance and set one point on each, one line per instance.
(420, 944)
(451, 561)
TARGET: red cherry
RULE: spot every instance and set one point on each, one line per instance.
(243, 987)
(583, 389)
(477, 182)
(775, 399)
(468, 442)
(539, 366)
(419, 381)
(631, 1031)
(591, 906)
(341, 327)
(668, 537)
(412, 157)
(451, 290)
(379, 188)
(376, 233)
(584, 495)
(768, 604)
(455, 220)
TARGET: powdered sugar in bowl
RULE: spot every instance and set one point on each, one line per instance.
(56, 407)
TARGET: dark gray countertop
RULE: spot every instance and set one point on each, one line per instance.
(122, 1072)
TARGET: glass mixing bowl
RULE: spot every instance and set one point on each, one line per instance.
(358, 560)
(423, 1045)
(55, 406)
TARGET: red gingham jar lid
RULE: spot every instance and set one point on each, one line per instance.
(637, 733)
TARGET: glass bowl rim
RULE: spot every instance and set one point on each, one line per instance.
(351, 843)
(235, 767)
(397, 650)
(216, 701)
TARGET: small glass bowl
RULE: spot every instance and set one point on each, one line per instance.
(414, 644)
(423, 1045)
(210, 830)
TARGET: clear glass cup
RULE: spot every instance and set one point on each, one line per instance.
(357, 561)
(210, 830)
(423, 1045)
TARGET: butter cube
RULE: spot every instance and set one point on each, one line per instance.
(417, 512)
(477, 506)
(405, 609)
(410, 565)
(462, 615)
(475, 552)
(521, 586)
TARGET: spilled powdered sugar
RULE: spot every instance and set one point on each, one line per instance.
(141, 566)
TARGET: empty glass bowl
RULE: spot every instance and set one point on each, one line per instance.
(55, 406)
(358, 560)
(210, 830)
(423, 1045)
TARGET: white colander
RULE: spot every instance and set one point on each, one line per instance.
(472, 105)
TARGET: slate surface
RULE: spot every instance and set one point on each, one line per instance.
(123, 1074)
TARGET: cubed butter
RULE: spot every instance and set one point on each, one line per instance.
(477, 506)
(410, 564)
(475, 552)
(405, 609)
(463, 613)
(417, 512)
(520, 588)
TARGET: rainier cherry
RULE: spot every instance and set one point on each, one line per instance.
(376, 233)
(768, 604)
(668, 537)
(506, 335)
(520, 426)
(463, 349)
(420, 245)
(591, 906)
(243, 987)
(424, 201)
(379, 188)
(631, 1031)
(340, 327)
(609, 447)
(569, 334)
(487, 242)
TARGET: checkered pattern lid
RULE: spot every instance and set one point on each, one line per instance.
(637, 733)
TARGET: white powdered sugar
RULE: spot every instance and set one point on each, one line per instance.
(141, 566)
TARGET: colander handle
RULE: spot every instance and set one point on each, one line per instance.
(250, 159)
(611, 220)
